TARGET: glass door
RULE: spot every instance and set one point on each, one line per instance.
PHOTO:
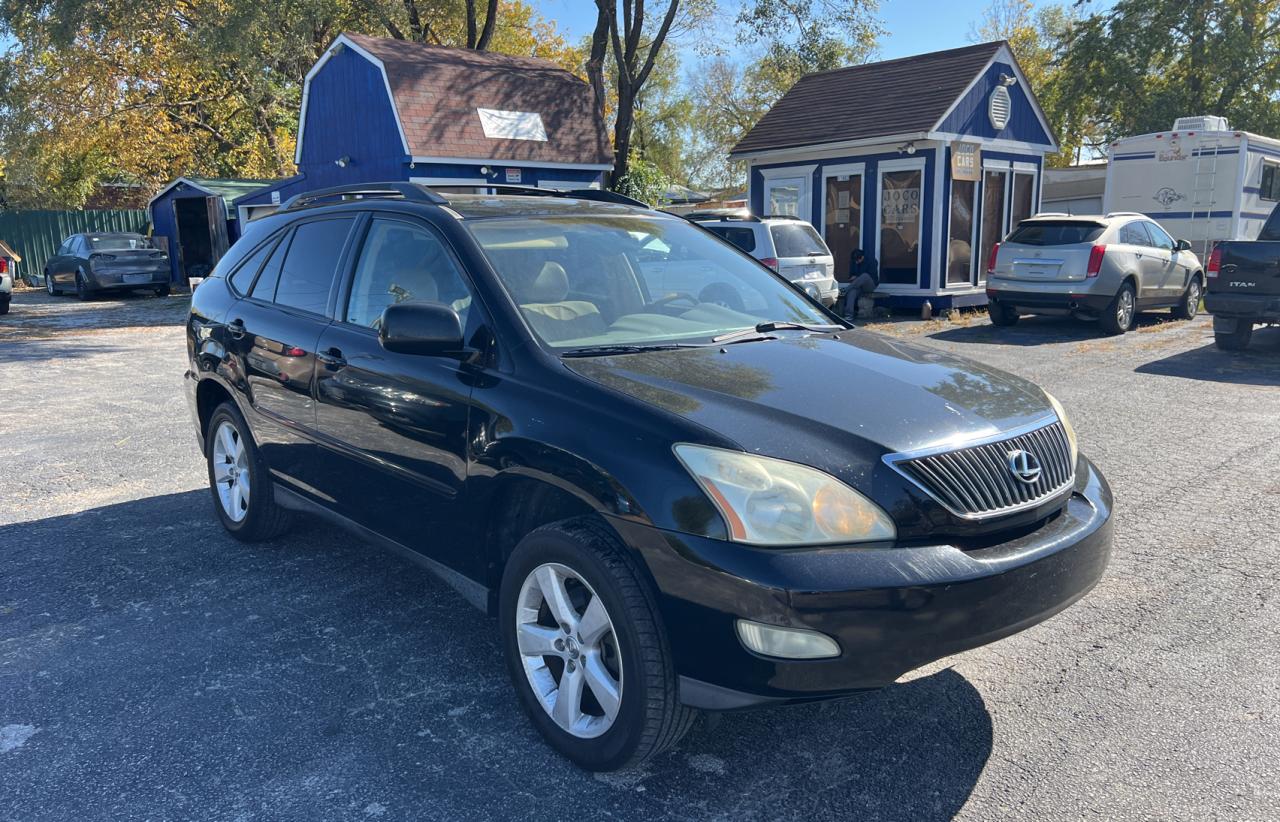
(964, 195)
(993, 216)
(1022, 204)
(899, 239)
(842, 223)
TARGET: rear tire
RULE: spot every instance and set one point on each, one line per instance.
(584, 558)
(162, 290)
(1002, 315)
(1237, 340)
(82, 288)
(4, 305)
(243, 494)
(1121, 313)
(1190, 305)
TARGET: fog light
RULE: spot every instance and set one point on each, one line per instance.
(787, 643)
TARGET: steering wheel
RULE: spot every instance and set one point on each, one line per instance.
(722, 294)
(674, 296)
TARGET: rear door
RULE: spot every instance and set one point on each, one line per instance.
(1048, 250)
(395, 425)
(803, 258)
(276, 329)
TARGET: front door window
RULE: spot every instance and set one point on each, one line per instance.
(1022, 205)
(842, 227)
(900, 227)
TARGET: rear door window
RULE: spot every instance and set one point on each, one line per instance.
(312, 263)
(1134, 233)
(742, 237)
(797, 240)
(1045, 232)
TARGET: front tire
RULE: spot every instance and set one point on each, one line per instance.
(243, 494)
(1237, 340)
(1122, 311)
(48, 284)
(1002, 315)
(586, 649)
(1190, 305)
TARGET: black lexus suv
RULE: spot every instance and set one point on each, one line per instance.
(677, 481)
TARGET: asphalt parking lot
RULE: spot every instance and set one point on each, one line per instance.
(152, 667)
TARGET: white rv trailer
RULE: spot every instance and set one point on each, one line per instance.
(1201, 180)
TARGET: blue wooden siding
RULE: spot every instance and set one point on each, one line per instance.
(348, 114)
(970, 115)
(164, 223)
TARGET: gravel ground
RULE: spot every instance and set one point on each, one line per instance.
(151, 667)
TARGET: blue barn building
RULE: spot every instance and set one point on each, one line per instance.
(194, 219)
(375, 109)
(925, 162)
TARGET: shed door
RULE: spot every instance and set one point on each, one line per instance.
(217, 227)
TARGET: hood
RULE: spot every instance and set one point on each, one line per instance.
(803, 397)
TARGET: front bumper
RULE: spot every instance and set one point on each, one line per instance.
(891, 609)
(1060, 299)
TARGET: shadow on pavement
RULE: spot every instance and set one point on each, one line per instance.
(34, 315)
(155, 667)
(1039, 330)
(1259, 364)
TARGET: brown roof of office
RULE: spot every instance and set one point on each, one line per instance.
(903, 96)
(437, 90)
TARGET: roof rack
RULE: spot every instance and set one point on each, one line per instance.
(430, 194)
(409, 191)
(1125, 214)
(740, 214)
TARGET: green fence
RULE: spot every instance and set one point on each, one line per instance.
(36, 235)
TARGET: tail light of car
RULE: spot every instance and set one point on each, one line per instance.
(991, 260)
(1095, 260)
(1215, 262)
(772, 262)
(100, 258)
(4, 265)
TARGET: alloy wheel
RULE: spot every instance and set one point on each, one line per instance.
(48, 283)
(231, 471)
(1193, 298)
(569, 650)
(1124, 308)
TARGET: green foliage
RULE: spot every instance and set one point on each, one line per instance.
(644, 180)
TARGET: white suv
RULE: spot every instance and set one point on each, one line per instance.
(1108, 267)
(788, 245)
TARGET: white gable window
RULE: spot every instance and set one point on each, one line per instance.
(512, 125)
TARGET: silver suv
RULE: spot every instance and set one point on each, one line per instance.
(1108, 267)
(788, 245)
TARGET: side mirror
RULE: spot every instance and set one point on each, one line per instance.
(1184, 245)
(421, 328)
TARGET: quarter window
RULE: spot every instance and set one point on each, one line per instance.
(1270, 182)
(744, 238)
(402, 262)
(242, 278)
(264, 288)
(312, 262)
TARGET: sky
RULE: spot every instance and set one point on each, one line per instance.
(912, 26)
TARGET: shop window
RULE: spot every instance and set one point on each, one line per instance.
(993, 202)
(1023, 198)
(960, 235)
(900, 227)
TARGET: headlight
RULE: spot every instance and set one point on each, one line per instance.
(766, 501)
(1066, 426)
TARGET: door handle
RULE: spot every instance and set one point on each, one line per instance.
(332, 358)
(236, 328)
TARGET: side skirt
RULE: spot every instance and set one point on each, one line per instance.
(470, 590)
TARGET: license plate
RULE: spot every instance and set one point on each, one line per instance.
(137, 278)
(814, 274)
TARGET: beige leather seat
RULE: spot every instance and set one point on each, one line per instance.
(543, 303)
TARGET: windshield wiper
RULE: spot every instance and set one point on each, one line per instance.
(623, 348)
(765, 328)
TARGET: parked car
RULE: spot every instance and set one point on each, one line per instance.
(788, 245)
(1106, 268)
(1244, 285)
(668, 504)
(90, 264)
(6, 285)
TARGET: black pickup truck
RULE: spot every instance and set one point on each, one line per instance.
(1243, 285)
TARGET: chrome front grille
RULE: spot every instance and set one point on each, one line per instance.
(978, 481)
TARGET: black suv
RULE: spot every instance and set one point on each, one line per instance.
(707, 498)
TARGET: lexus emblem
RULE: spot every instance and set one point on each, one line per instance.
(1025, 466)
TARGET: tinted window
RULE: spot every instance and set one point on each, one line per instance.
(1134, 234)
(796, 240)
(311, 263)
(402, 262)
(1159, 237)
(1271, 229)
(243, 276)
(118, 242)
(65, 248)
(744, 238)
(265, 286)
(1270, 182)
(1045, 232)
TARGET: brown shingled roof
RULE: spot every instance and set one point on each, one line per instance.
(902, 96)
(438, 89)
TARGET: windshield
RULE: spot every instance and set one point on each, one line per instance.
(633, 281)
(118, 242)
(1042, 232)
